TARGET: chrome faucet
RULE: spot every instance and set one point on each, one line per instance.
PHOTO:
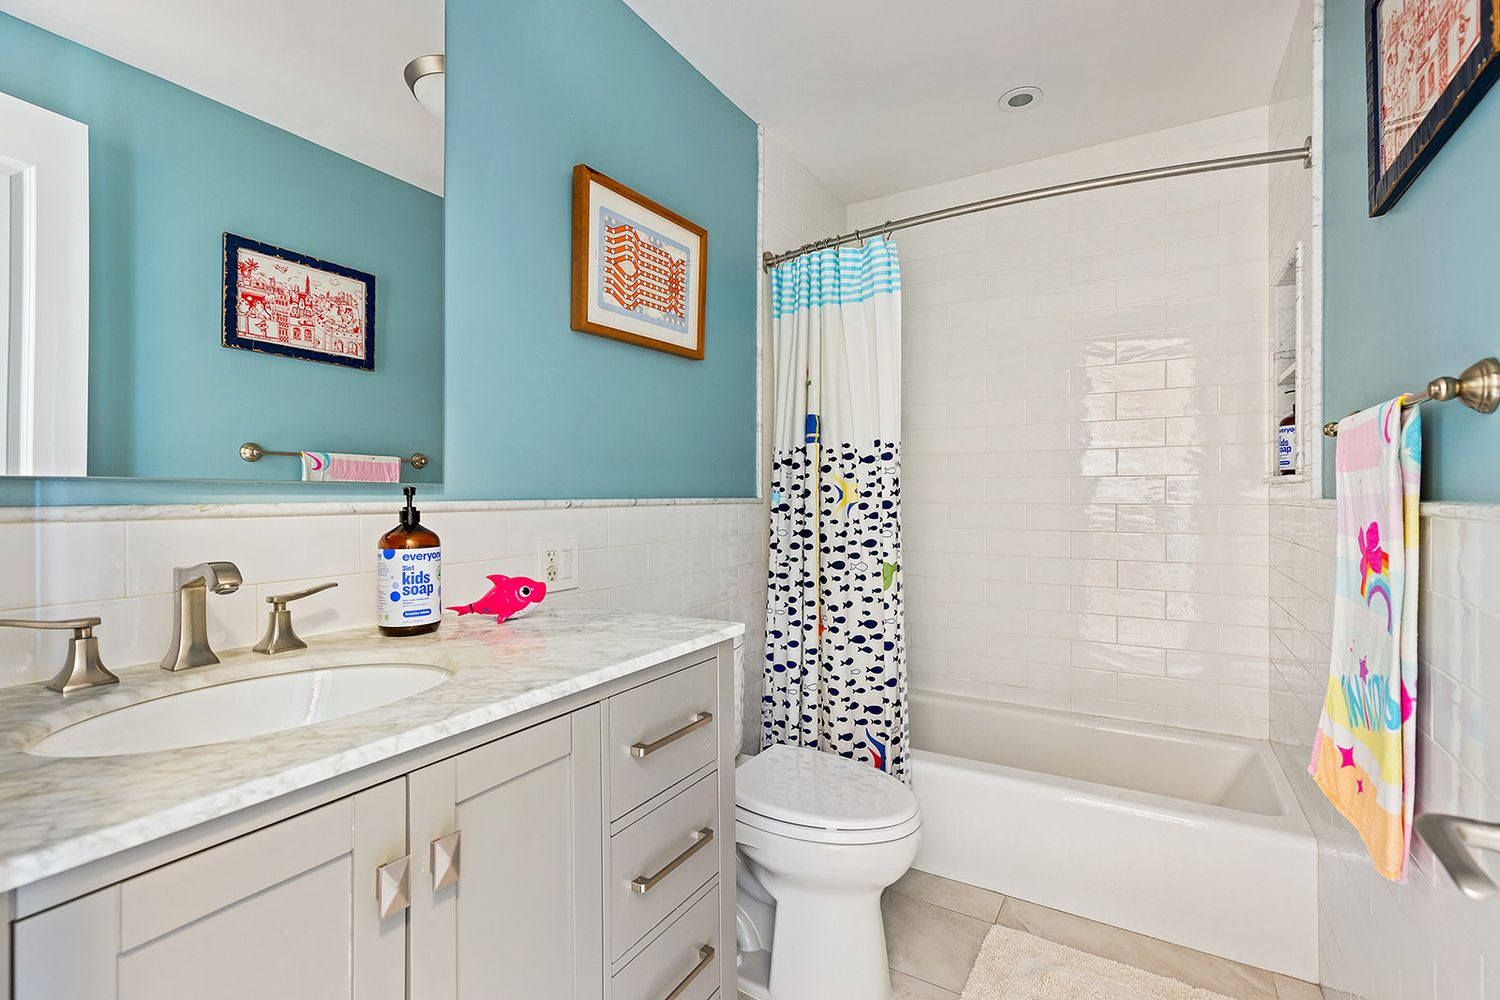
(190, 646)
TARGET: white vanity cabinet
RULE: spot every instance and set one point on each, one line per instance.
(505, 841)
(582, 856)
(289, 911)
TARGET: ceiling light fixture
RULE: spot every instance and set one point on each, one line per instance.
(1020, 99)
(424, 76)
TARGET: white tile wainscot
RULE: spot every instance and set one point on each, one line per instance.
(699, 558)
(1424, 939)
(1086, 435)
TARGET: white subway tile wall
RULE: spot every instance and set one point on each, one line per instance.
(795, 206)
(1293, 220)
(1086, 436)
(1377, 940)
(795, 209)
(697, 559)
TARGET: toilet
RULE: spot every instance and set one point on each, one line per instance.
(819, 837)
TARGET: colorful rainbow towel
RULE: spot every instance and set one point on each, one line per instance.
(1364, 756)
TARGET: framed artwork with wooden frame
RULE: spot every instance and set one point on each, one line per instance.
(639, 271)
(1427, 64)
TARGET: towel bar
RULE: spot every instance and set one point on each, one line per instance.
(1478, 388)
(252, 452)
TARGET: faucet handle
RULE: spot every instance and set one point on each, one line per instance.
(280, 636)
(76, 624)
(84, 669)
(279, 602)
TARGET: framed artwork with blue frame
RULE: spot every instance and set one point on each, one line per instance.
(1427, 64)
(278, 301)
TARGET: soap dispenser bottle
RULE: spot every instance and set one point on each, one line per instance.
(409, 576)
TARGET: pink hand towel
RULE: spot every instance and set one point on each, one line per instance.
(332, 467)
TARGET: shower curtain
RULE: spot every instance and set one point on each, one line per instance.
(835, 650)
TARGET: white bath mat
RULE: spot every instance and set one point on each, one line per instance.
(1014, 965)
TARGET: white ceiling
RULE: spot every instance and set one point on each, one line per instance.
(880, 96)
(327, 70)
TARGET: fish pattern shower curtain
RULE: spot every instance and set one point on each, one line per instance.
(835, 650)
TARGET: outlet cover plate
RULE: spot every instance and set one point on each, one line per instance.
(557, 563)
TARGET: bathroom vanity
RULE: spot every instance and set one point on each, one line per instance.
(553, 820)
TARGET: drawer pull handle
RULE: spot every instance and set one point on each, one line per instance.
(645, 883)
(647, 749)
(705, 958)
(445, 860)
(393, 887)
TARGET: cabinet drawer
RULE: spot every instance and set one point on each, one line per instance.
(659, 733)
(659, 861)
(686, 955)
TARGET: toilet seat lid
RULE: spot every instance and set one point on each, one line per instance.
(810, 788)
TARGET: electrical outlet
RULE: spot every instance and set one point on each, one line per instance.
(557, 563)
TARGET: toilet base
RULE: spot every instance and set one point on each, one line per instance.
(754, 976)
(753, 979)
(813, 964)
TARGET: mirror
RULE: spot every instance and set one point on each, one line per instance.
(216, 230)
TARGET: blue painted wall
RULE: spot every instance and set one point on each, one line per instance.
(170, 172)
(1410, 295)
(535, 409)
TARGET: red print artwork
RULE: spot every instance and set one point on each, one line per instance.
(640, 274)
(1422, 45)
(285, 303)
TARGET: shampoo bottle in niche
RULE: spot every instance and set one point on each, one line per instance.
(409, 576)
(1286, 444)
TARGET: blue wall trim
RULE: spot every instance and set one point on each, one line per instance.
(170, 172)
(534, 409)
(1409, 295)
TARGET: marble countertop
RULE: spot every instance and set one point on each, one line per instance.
(60, 813)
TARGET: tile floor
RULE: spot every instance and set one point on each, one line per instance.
(934, 927)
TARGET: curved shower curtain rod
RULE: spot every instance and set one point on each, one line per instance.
(1303, 153)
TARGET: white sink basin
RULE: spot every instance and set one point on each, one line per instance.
(240, 709)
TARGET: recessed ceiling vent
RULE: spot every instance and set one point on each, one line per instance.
(1020, 99)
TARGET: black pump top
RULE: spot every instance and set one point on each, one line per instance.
(410, 516)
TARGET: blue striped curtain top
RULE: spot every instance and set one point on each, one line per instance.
(835, 277)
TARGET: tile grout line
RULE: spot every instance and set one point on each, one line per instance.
(1005, 899)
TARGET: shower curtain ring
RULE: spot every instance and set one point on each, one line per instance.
(886, 232)
(859, 239)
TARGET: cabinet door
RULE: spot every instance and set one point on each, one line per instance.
(291, 912)
(507, 844)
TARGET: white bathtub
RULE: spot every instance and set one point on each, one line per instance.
(1188, 837)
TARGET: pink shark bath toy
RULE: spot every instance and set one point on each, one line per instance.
(510, 597)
